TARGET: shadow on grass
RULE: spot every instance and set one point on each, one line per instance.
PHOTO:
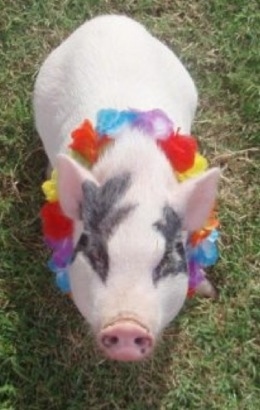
(50, 360)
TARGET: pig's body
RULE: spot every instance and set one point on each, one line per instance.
(113, 62)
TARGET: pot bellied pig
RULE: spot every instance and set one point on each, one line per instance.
(131, 216)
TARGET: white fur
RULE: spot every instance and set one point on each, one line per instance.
(113, 62)
(110, 61)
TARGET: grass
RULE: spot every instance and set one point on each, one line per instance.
(209, 358)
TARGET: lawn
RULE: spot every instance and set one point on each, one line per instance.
(209, 357)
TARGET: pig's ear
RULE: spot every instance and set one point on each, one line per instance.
(71, 176)
(196, 199)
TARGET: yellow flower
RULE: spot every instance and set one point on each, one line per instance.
(200, 165)
(49, 188)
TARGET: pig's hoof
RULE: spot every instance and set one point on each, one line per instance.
(207, 290)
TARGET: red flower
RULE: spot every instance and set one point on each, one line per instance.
(180, 150)
(55, 224)
(191, 292)
(87, 142)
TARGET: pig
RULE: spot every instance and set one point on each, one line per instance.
(131, 216)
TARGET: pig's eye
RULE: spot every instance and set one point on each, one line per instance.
(94, 249)
(98, 258)
(173, 262)
(81, 245)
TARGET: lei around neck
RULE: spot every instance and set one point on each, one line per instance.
(87, 145)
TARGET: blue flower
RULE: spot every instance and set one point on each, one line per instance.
(61, 277)
(62, 281)
(206, 253)
(111, 121)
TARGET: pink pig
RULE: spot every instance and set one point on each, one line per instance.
(131, 216)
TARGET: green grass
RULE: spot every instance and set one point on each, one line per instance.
(209, 358)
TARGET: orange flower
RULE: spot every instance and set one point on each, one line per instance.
(198, 236)
(87, 142)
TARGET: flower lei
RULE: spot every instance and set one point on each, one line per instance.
(87, 144)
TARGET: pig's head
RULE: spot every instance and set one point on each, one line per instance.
(128, 273)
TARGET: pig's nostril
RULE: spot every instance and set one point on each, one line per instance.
(109, 341)
(141, 341)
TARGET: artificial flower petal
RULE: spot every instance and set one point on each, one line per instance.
(154, 123)
(102, 143)
(85, 141)
(50, 188)
(198, 236)
(62, 281)
(180, 150)
(200, 165)
(191, 292)
(61, 277)
(110, 121)
(196, 274)
(62, 254)
(206, 253)
(55, 224)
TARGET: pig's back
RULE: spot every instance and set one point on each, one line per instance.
(109, 62)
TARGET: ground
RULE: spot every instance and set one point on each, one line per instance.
(208, 358)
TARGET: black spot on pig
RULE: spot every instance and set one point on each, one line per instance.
(101, 216)
(99, 210)
(173, 261)
(95, 250)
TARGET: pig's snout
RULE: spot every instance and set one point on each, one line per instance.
(126, 341)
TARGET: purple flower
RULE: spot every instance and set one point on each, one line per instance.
(62, 251)
(196, 274)
(62, 255)
(155, 123)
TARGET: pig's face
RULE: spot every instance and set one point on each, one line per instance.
(136, 274)
(129, 274)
